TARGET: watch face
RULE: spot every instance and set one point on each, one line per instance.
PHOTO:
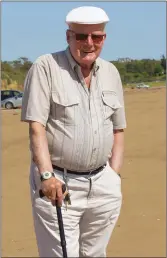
(47, 175)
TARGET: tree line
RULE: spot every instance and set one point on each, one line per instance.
(145, 70)
(131, 71)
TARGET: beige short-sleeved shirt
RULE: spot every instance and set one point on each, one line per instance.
(79, 122)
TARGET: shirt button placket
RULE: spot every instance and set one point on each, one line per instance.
(94, 125)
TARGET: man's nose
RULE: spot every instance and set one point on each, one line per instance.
(89, 40)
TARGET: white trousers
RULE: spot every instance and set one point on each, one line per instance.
(88, 222)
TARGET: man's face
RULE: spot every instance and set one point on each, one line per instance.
(86, 42)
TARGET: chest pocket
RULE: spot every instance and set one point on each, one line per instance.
(65, 108)
(110, 104)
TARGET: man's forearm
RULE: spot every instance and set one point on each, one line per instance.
(116, 160)
(39, 147)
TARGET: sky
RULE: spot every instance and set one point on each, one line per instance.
(30, 29)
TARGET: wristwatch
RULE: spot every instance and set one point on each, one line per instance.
(46, 175)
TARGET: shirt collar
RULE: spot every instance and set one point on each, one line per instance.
(75, 65)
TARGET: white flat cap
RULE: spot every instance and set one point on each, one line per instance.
(87, 15)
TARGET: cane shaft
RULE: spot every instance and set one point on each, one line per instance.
(60, 223)
(61, 230)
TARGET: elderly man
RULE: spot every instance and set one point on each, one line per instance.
(74, 104)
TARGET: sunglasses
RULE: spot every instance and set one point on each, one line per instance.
(83, 37)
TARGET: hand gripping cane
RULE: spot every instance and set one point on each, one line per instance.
(60, 223)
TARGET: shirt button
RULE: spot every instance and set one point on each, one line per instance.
(94, 149)
(95, 132)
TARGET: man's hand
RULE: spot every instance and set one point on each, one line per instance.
(52, 189)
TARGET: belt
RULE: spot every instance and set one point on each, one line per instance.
(91, 172)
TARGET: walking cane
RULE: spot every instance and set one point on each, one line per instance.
(60, 223)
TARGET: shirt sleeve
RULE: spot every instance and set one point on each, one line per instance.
(36, 96)
(119, 117)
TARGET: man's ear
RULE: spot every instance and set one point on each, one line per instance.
(67, 36)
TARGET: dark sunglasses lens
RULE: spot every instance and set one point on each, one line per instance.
(81, 36)
(97, 38)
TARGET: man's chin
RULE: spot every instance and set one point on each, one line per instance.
(87, 61)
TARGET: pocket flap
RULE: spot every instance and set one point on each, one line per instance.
(110, 99)
(65, 100)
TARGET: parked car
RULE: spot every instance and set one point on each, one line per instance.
(9, 94)
(11, 99)
(142, 85)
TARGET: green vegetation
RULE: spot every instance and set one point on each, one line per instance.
(145, 70)
(14, 72)
(150, 71)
